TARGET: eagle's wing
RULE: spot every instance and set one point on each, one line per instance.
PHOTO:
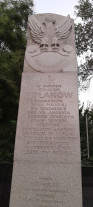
(62, 30)
(36, 29)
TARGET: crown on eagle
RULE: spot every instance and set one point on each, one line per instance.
(50, 18)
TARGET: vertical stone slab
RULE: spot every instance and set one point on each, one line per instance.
(47, 164)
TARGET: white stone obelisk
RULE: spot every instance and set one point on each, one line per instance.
(47, 162)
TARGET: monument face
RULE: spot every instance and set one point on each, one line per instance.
(47, 169)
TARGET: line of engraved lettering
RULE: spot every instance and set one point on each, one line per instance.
(55, 152)
(47, 101)
(55, 113)
(47, 151)
(57, 100)
(35, 129)
(60, 101)
(35, 133)
(41, 129)
(43, 178)
(37, 116)
(65, 114)
(41, 138)
(52, 108)
(40, 145)
(48, 124)
(51, 121)
(56, 95)
(33, 108)
(43, 205)
(62, 116)
(47, 142)
(32, 200)
(50, 140)
(58, 112)
(52, 201)
(31, 152)
(52, 147)
(52, 104)
(48, 183)
(59, 116)
(49, 86)
(44, 113)
(45, 195)
(37, 120)
(64, 129)
(50, 89)
(49, 190)
(67, 152)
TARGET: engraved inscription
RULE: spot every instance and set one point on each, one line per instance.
(48, 116)
(47, 192)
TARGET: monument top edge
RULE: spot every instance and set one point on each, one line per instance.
(46, 14)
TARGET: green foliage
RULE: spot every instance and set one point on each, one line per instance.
(7, 138)
(84, 36)
(84, 45)
(83, 136)
(13, 25)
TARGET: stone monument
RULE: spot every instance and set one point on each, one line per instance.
(47, 163)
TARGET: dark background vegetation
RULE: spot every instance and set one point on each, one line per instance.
(13, 27)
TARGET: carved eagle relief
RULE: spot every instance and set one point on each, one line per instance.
(62, 31)
(50, 37)
(37, 31)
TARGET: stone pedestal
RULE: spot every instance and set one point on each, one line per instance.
(47, 169)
